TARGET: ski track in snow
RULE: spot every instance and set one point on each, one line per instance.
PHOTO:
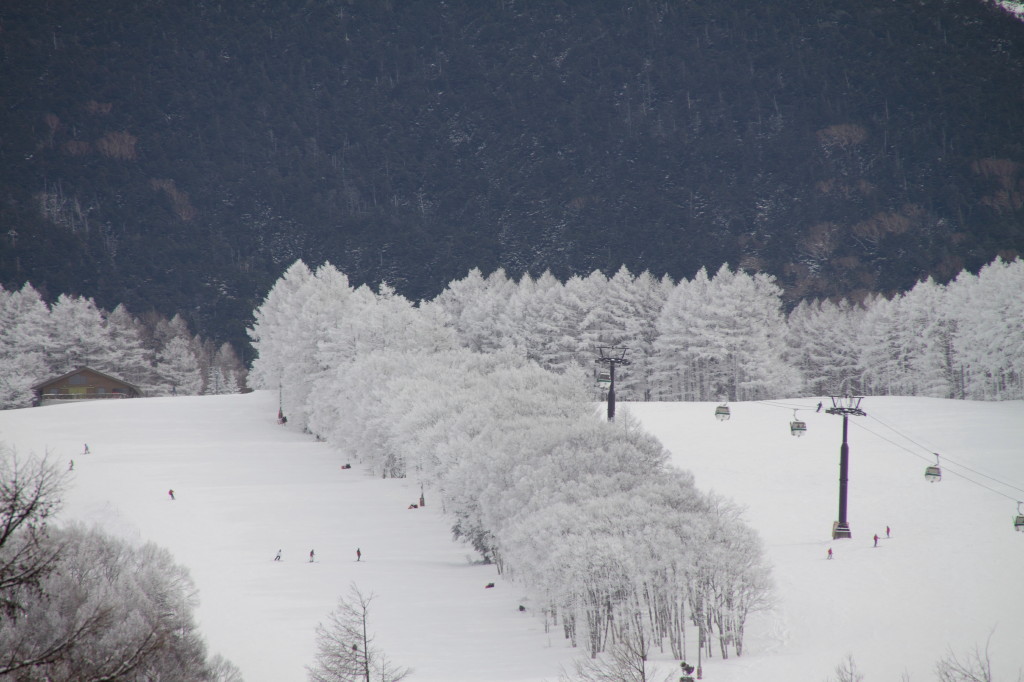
(947, 580)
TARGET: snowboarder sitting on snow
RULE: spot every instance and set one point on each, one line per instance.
(413, 506)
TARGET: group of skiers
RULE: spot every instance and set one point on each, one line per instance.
(876, 538)
(312, 555)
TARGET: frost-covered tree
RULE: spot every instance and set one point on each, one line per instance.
(989, 338)
(271, 333)
(109, 611)
(178, 368)
(133, 360)
(78, 336)
(225, 374)
(477, 307)
(30, 490)
(24, 339)
(884, 356)
(823, 343)
(345, 646)
(626, 661)
(929, 330)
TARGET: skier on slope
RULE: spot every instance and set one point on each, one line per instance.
(278, 557)
(311, 556)
(171, 493)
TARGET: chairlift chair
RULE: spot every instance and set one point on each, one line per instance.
(722, 413)
(933, 473)
(1018, 521)
(604, 376)
(797, 427)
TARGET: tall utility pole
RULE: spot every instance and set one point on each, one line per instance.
(611, 357)
(844, 406)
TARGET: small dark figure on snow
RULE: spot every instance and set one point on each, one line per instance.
(521, 608)
(413, 506)
(488, 586)
(829, 552)
(819, 408)
(71, 465)
(171, 493)
(359, 554)
(312, 556)
(887, 531)
(346, 466)
(85, 450)
(876, 539)
(278, 557)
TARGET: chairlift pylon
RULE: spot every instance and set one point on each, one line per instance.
(934, 472)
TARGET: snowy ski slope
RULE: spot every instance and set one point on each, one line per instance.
(950, 577)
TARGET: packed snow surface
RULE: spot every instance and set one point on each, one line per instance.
(950, 578)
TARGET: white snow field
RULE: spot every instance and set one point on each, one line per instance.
(951, 577)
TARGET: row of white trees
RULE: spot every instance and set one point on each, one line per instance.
(613, 543)
(40, 341)
(726, 336)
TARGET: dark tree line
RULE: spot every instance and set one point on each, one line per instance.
(178, 155)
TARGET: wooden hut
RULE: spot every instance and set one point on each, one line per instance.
(83, 383)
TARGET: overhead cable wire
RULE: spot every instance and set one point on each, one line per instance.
(931, 453)
(947, 459)
(947, 469)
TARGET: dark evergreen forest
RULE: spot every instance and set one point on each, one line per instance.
(177, 155)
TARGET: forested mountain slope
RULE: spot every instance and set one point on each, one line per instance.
(178, 155)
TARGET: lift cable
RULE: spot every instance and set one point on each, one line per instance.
(945, 458)
(947, 469)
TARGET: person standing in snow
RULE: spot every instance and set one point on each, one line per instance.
(85, 451)
(71, 465)
(819, 408)
(829, 553)
(876, 539)
(171, 493)
(887, 531)
(311, 556)
(359, 554)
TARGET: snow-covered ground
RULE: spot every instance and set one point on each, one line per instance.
(950, 577)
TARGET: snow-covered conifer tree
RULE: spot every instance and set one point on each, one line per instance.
(78, 336)
(24, 335)
(178, 369)
(270, 332)
(133, 361)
